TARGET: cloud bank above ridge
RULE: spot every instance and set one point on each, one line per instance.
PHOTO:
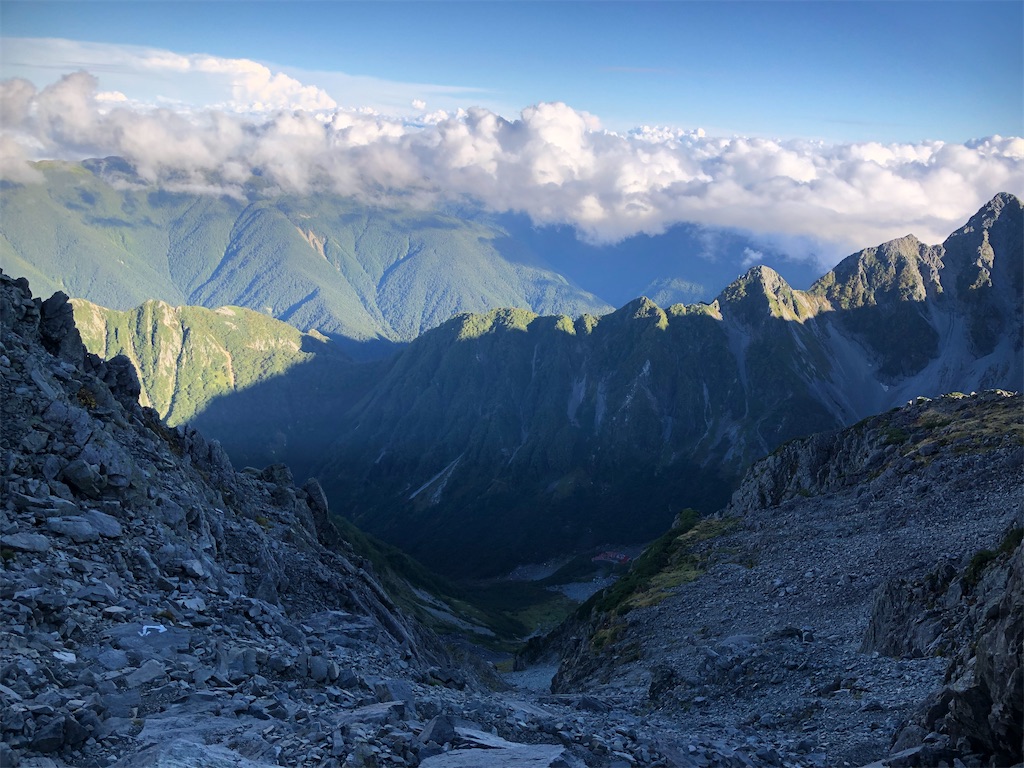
(552, 162)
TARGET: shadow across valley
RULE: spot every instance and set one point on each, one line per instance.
(291, 418)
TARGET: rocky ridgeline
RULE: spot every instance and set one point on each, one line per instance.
(860, 600)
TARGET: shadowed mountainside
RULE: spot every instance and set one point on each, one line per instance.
(510, 435)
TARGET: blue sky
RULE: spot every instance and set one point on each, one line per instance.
(838, 124)
(838, 71)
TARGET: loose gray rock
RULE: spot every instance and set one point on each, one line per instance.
(26, 542)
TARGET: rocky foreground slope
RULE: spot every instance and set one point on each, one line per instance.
(861, 598)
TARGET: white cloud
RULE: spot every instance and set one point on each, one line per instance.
(552, 162)
(255, 88)
(752, 257)
(113, 97)
(239, 85)
(419, 105)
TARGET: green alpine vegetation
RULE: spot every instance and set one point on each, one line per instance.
(257, 384)
(365, 275)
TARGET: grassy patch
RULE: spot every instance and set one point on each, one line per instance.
(895, 435)
(670, 561)
(983, 558)
(1011, 541)
(978, 430)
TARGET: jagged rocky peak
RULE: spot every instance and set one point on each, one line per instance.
(762, 292)
(904, 269)
(971, 256)
(987, 216)
(640, 308)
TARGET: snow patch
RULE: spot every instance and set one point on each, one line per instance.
(443, 476)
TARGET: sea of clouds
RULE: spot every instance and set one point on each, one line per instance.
(552, 162)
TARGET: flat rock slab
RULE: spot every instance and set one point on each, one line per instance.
(76, 528)
(187, 754)
(26, 542)
(154, 643)
(374, 714)
(105, 524)
(511, 756)
(147, 673)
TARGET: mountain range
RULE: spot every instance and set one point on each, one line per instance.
(509, 436)
(512, 433)
(368, 276)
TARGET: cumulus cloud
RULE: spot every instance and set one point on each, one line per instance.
(752, 257)
(256, 88)
(552, 162)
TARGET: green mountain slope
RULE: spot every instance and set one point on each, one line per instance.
(358, 273)
(258, 385)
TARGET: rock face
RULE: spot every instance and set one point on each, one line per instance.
(860, 596)
(974, 618)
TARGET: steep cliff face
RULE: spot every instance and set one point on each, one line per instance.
(973, 618)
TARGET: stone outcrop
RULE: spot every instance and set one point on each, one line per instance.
(974, 618)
